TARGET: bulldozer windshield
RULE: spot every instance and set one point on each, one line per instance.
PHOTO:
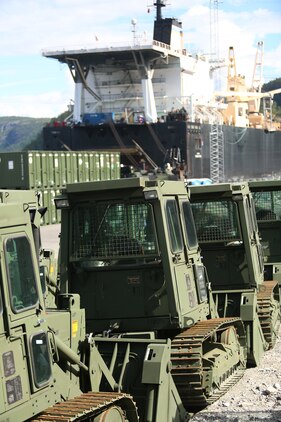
(216, 221)
(268, 205)
(105, 231)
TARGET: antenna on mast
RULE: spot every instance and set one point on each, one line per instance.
(159, 4)
(134, 23)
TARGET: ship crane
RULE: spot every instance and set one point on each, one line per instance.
(235, 82)
(257, 81)
(243, 104)
(231, 75)
(255, 117)
(237, 99)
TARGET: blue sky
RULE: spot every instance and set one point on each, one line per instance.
(34, 86)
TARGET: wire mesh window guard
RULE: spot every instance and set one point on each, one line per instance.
(216, 221)
(108, 230)
(268, 205)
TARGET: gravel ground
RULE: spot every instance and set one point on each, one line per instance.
(256, 397)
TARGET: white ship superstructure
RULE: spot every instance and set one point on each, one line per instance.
(138, 80)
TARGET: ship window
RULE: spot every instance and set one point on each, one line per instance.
(189, 225)
(21, 276)
(40, 359)
(216, 221)
(104, 231)
(174, 226)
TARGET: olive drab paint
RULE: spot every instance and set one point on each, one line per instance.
(44, 353)
(228, 234)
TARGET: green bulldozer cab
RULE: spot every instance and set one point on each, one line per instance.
(228, 235)
(133, 245)
(267, 198)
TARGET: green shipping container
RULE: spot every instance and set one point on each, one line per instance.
(83, 166)
(52, 215)
(94, 166)
(19, 170)
(74, 168)
(115, 171)
(49, 171)
(104, 166)
(63, 169)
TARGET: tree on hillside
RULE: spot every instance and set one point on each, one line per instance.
(60, 118)
(270, 86)
(37, 143)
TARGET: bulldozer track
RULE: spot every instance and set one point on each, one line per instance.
(191, 376)
(269, 312)
(89, 406)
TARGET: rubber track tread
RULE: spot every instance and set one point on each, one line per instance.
(87, 406)
(187, 364)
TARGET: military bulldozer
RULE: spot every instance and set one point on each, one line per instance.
(267, 198)
(228, 235)
(129, 249)
(48, 367)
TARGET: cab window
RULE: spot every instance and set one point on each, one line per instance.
(174, 226)
(20, 271)
(216, 221)
(40, 359)
(1, 303)
(106, 230)
(189, 225)
(267, 205)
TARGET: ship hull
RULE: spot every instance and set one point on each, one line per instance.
(248, 153)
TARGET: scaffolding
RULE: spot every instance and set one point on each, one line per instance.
(216, 152)
(216, 134)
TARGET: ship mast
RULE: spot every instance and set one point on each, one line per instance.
(159, 4)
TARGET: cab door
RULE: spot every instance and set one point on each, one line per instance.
(183, 279)
(2, 345)
(25, 357)
(189, 274)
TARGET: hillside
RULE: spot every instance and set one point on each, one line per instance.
(18, 132)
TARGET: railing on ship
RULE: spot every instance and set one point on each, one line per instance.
(168, 47)
(104, 46)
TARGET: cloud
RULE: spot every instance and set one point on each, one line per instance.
(238, 28)
(29, 26)
(48, 104)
